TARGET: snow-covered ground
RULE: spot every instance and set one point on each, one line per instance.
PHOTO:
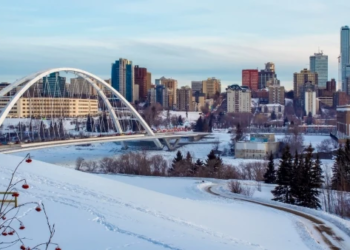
(133, 212)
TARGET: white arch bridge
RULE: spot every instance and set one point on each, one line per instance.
(115, 116)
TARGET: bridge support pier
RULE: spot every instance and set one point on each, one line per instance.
(171, 147)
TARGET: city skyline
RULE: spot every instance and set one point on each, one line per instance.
(179, 40)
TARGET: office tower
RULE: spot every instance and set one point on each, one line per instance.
(171, 85)
(344, 54)
(123, 78)
(54, 85)
(212, 86)
(250, 78)
(151, 96)
(184, 99)
(347, 79)
(276, 94)
(310, 102)
(141, 81)
(340, 98)
(267, 75)
(300, 78)
(163, 96)
(319, 64)
(331, 85)
(198, 86)
(238, 99)
(149, 80)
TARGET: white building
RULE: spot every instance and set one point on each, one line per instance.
(152, 96)
(273, 107)
(258, 147)
(310, 102)
(136, 92)
(238, 99)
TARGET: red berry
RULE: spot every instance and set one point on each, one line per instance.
(4, 233)
(29, 160)
(15, 194)
(25, 186)
(3, 217)
(23, 247)
(38, 209)
(57, 248)
(22, 227)
(11, 233)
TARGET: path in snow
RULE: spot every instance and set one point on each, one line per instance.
(325, 232)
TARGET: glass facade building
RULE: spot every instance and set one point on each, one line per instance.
(344, 54)
(319, 65)
(122, 77)
(54, 85)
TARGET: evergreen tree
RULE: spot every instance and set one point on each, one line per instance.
(311, 180)
(309, 119)
(180, 122)
(174, 169)
(199, 125)
(239, 132)
(92, 124)
(55, 130)
(316, 183)
(188, 157)
(76, 125)
(61, 129)
(51, 131)
(295, 186)
(42, 130)
(273, 115)
(88, 124)
(270, 175)
(341, 168)
(284, 175)
(213, 164)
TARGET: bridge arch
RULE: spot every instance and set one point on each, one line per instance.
(29, 80)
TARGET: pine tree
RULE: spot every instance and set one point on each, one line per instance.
(174, 169)
(199, 125)
(341, 168)
(270, 175)
(213, 164)
(42, 131)
(88, 124)
(239, 132)
(273, 115)
(295, 186)
(284, 175)
(51, 131)
(61, 129)
(180, 122)
(316, 183)
(55, 130)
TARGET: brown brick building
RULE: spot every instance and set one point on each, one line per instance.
(343, 121)
(250, 78)
(141, 80)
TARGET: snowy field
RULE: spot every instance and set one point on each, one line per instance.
(66, 156)
(133, 212)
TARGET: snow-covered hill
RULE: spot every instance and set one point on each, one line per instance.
(124, 212)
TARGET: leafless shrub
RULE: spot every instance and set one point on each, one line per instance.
(258, 186)
(327, 145)
(237, 188)
(342, 205)
(253, 170)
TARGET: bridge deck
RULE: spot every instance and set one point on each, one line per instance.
(7, 149)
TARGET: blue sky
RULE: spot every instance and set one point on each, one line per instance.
(183, 39)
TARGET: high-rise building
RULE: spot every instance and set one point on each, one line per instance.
(343, 121)
(162, 97)
(340, 98)
(238, 99)
(171, 85)
(276, 94)
(301, 78)
(54, 85)
(123, 78)
(319, 64)
(212, 86)
(149, 80)
(310, 102)
(347, 78)
(141, 81)
(198, 86)
(184, 99)
(344, 54)
(267, 75)
(152, 96)
(331, 85)
(250, 78)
